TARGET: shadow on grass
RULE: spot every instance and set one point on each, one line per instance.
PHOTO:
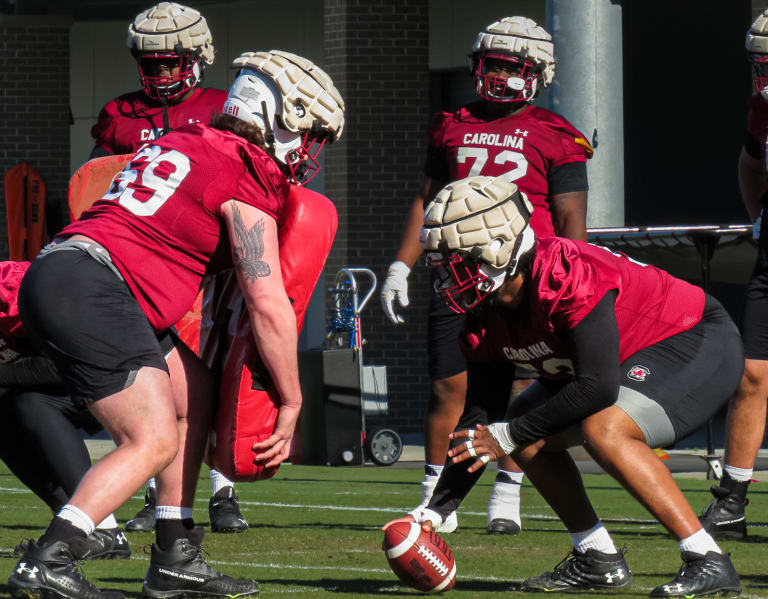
(362, 587)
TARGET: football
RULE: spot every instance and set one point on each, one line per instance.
(420, 559)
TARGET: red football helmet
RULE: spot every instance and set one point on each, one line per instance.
(177, 36)
(475, 231)
(512, 59)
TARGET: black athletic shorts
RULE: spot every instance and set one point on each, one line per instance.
(669, 389)
(444, 357)
(82, 316)
(754, 330)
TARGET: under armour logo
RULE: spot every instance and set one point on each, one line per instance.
(673, 588)
(120, 538)
(522, 132)
(618, 574)
(22, 569)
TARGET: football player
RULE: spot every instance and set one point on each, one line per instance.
(503, 134)
(172, 45)
(41, 418)
(629, 358)
(745, 423)
(129, 268)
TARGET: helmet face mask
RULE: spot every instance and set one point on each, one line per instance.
(462, 282)
(521, 85)
(759, 63)
(187, 75)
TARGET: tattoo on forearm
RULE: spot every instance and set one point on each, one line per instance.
(248, 248)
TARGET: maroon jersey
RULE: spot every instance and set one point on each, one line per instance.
(13, 341)
(523, 147)
(568, 279)
(161, 223)
(128, 122)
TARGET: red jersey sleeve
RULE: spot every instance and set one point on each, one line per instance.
(437, 166)
(571, 285)
(573, 146)
(104, 130)
(261, 184)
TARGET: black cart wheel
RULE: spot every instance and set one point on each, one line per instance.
(383, 446)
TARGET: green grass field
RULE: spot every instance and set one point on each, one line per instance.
(314, 532)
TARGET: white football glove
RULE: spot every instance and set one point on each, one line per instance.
(422, 515)
(395, 287)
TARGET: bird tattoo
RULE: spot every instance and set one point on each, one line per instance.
(247, 254)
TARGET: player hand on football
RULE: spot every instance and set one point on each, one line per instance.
(484, 443)
(429, 519)
(395, 288)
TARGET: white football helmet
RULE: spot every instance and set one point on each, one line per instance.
(757, 46)
(528, 52)
(293, 101)
(170, 32)
(475, 232)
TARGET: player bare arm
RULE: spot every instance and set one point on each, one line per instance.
(751, 183)
(248, 248)
(569, 213)
(255, 254)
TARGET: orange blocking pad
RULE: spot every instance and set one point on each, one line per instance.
(25, 211)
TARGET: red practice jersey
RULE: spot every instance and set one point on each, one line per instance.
(568, 279)
(13, 341)
(161, 219)
(523, 147)
(128, 122)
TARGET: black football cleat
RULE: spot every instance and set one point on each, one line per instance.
(182, 571)
(591, 570)
(224, 512)
(503, 526)
(107, 543)
(144, 520)
(724, 517)
(707, 575)
(50, 570)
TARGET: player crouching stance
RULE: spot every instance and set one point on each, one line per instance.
(130, 268)
(629, 358)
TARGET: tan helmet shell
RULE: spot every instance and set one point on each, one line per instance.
(476, 212)
(163, 26)
(520, 35)
(757, 36)
(300, 82)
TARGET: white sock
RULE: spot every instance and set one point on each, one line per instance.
(738, 474)
(433, 469)
(596, 537)
(172, 512)
(700, 542)
(219, 481)
(151, 483)
(505, 497)
(77, 518)
(108, 523)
